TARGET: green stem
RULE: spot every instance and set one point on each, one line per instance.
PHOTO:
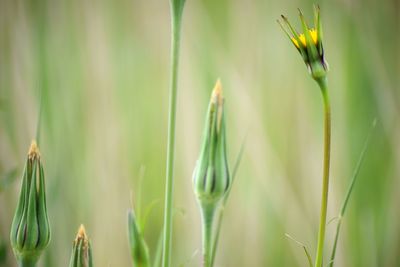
(325, 176)
(176, 15)
(339, 224)
(26, 263)
(207, 213)
(349, 191)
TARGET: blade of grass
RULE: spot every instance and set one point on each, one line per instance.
(142, 172)
(147, 211)
(158, 255)
(221, 212)
(304, 248)
(350, 190)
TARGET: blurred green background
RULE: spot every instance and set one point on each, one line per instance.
(103, 68)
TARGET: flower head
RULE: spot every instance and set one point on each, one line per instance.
(30, 230)
(211, 178)
(309, 44)
(81, 250)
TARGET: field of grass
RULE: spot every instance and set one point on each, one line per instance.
(100, 70)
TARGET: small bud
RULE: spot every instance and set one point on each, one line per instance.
(81, 250)
(138, 246)
(211, 178)
(30, 230)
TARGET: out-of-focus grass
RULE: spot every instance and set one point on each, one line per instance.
(102, 67)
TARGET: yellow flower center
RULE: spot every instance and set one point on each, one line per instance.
(314, 37)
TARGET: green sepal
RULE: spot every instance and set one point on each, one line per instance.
(31, 239)
(310, 46)
(17, 220)
(43, 220)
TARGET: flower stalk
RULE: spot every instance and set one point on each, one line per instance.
(309, 45)
(325, 175)
(211, 179)
(176, 19)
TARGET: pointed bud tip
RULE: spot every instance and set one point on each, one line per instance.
(33, 150)
(81, 233)
(217, 95)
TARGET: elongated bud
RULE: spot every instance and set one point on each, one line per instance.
(138, 246)
(211, 178)
(30, 230)
(81, 250)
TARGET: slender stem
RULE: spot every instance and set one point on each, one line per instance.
(175, 43)
(349, 191)
(339, 224)
(207, 213)
(325, 176)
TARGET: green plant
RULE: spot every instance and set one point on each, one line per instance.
(211, 179)
(30, 229)
(309, 45)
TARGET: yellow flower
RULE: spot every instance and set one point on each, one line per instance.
(302, 38)
(309, 44)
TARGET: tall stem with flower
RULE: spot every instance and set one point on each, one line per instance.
(309, 45)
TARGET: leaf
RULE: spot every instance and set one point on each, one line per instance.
(304, 247)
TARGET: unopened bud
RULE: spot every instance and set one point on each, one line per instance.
(211, 178)
(81, 250)
(30, 230)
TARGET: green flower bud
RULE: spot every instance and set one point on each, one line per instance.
(211, 178)
(81, 250)
(139, 250)
(30, 230)
(309, 44)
